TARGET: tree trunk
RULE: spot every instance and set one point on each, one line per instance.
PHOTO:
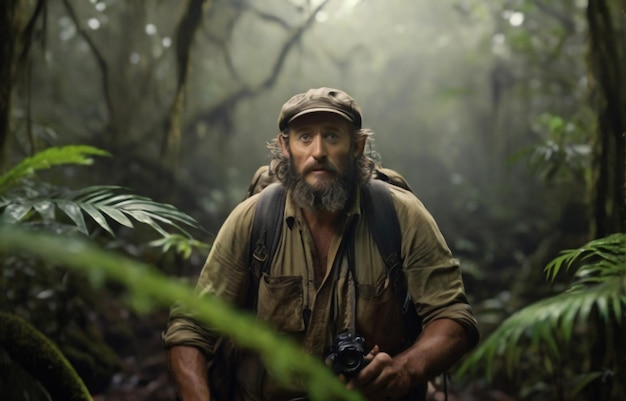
(607, 64)
(10, 27)
(18, 20)
(185, 32)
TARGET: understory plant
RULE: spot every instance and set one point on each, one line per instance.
(570, 345)
(286, 361)
(57, 303)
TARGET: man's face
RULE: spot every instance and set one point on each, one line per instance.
(322, 159)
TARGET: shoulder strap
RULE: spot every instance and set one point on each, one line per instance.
(266, 231)
(385, 228)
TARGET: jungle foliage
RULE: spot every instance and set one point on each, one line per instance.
(147, 286)
(34, 289)
(587, 317)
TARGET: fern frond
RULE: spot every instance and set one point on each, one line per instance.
(544, 321)
(55, 156)
(610, 249)
(99, 204)
(183, 245)
(599, 286)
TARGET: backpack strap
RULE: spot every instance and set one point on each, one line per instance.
(385, 228)
(383, 222)
(266, 231)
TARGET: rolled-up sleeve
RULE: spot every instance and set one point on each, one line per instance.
(225, 275)
(433, 275)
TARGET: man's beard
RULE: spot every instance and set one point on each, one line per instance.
(334, 197)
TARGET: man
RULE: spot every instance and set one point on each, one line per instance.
(313, 292)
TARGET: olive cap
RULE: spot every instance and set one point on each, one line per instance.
(320, 100)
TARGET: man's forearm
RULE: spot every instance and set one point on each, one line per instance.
(188, 366)
(440, 345)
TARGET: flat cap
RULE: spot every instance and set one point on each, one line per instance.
(320, 100)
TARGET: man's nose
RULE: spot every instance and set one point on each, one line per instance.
(319, 147)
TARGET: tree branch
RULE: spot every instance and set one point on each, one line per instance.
(104, 69)
(221, 111)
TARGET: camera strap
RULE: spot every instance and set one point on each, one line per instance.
(345, 312)
(351, 276)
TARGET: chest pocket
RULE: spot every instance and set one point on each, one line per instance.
(280, 302)
(379, 316)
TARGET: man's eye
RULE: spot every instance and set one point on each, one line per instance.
(304, 137)
(331, 136)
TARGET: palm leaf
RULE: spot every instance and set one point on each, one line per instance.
(600, 285)
(183, 245)
(55, 156)
(100, 204)
(610, 249)
(540, 321)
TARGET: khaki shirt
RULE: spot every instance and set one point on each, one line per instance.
(289, 300)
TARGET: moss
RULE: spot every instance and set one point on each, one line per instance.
(91, 356)
(39, 356)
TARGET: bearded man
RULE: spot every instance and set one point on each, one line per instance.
(315, 290)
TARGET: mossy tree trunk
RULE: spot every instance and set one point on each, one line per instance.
(607, 78)
(10, 26)
(18, 20)
(607, 69)
(41, 358)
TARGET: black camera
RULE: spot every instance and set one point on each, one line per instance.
(347, 354)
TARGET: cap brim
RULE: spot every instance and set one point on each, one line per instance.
(321, 110)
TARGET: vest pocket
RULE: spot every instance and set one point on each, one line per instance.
(280, 302)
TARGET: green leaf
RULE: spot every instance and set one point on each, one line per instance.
(45, 208)
(97, 217)
(15, 212)
(54, 156)
(583, 380)
(74, 212)
(117, 216)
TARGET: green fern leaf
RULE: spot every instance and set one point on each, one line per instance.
(116, 215)
(55, 156)
(538, 321)
(74, 212)
(98, 217)
(15, 212)
(45, 208)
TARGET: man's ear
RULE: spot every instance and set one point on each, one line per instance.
(283, 145)
(359, 145)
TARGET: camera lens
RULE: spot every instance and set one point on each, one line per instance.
(350, 360)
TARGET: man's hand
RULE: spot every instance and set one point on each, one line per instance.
(382, 377)
(439, 346)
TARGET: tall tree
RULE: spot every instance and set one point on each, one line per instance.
(17, 32)
(607, 58)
